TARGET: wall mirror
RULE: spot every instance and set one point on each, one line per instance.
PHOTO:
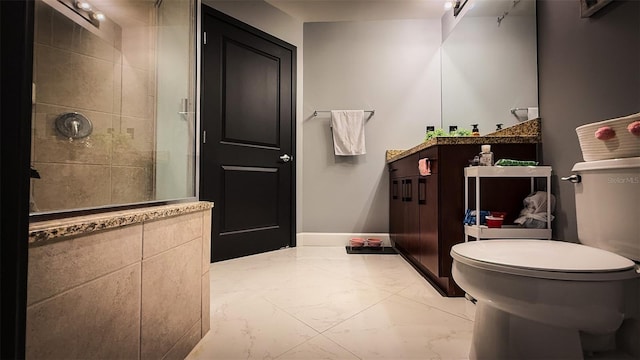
(489, 65)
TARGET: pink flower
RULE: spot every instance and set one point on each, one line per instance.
(634, 128)
(605, 133)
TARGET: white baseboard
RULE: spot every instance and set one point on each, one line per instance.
(337, 239)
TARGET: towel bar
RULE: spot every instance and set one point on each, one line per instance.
(315, 113)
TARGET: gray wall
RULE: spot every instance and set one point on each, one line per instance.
(390, 66)
(589, 70)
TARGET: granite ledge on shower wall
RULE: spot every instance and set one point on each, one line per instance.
(528, 132)
(43, 231)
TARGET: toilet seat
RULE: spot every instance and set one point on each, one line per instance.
(545, 259)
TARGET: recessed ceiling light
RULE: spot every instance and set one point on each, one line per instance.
(83, 5)
(97, 15)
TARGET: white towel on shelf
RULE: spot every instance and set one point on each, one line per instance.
(348, 132)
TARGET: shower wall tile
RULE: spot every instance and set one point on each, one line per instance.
(100, 319)
(52, 147)
(71, 186)
(165, 234)
(67, 35)
(184, 346)
(153, 47)
(43, 20)
(140, 13)
(152, 84)
(134, 92)
(73, 80)
(114, 309)
(136, 45)
(151, 105)
(117, 83)
(170, 298)
(60, 266)
(206, 304)
(131, 184)
(206, 241)
(134, 142)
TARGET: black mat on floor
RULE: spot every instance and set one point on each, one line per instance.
(382, 250)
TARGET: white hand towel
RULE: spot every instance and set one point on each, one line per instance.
(348, 132)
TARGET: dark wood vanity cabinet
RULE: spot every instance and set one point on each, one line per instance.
(426, 212)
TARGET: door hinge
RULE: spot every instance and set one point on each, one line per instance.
(204, 37)
(204, 136)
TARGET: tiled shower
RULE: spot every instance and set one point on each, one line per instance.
(113, 125)
(110, 82)
(109, 74)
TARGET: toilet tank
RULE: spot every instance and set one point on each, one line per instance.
(608, 205)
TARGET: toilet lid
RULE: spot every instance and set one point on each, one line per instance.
(544, 258)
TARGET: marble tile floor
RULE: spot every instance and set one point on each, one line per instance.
(321, 303)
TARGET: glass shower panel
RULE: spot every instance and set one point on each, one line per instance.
(175, 171)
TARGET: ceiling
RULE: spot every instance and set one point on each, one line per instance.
(360, 10)
(479, 8)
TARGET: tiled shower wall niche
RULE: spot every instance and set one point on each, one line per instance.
(111, 82)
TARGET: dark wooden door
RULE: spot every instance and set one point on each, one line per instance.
(247, 137)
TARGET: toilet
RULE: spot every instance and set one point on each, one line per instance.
(547, 299)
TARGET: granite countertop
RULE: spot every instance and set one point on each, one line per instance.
(528, 132)
(43, 231)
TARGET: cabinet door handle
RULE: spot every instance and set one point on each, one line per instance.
(394, 190)
(405, 192)
(409, 189)
(422, 191)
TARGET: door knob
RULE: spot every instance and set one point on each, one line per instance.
(286, 158)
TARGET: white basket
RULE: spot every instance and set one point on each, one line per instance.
(623, 145)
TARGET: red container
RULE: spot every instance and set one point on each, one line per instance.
(494, 221)
(374, 242)
(499, 214)
(357, 242)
